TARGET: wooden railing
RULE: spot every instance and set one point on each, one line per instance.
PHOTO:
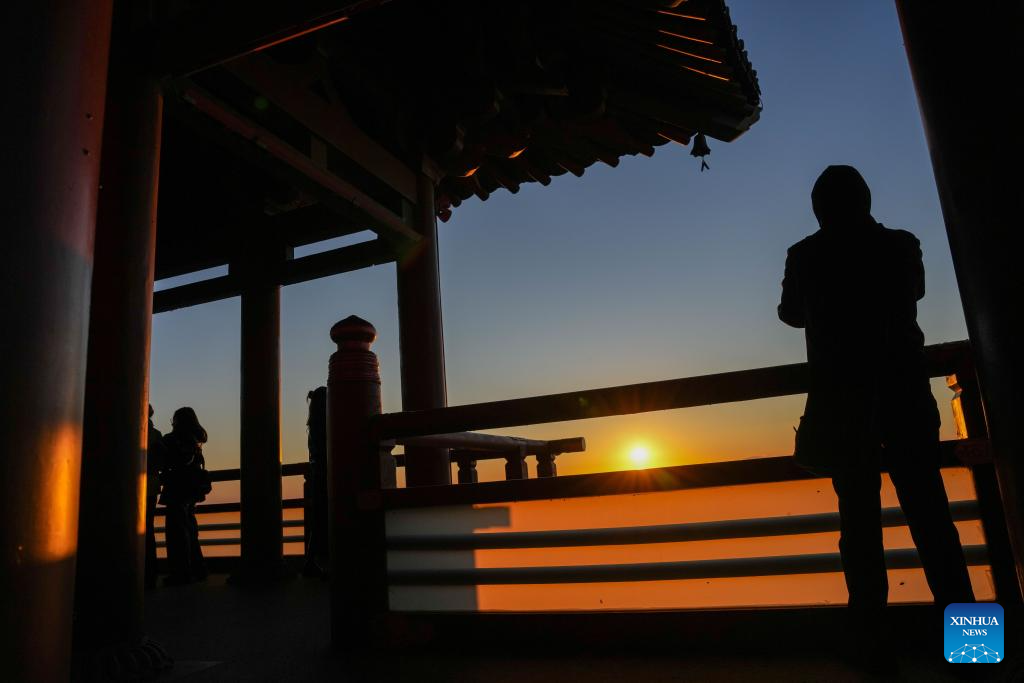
(366, 518)
(466, 449)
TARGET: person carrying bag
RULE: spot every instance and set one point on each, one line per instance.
(185, 483)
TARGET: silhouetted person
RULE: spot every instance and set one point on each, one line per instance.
(185, 483)
(316, 483)
(854, 286)
(156, 456)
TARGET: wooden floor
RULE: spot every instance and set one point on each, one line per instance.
(219, 632)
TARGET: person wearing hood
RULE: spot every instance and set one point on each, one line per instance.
(853, 286)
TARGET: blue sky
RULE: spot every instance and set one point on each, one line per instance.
(647, 271)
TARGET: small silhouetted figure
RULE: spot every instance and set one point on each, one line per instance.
(316, 485)
(185, 483)
(156, 456)
(853, 286)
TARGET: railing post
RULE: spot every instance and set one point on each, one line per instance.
(970, 423)
(467, 467)
(359, 598)
(546, 465)
(388, 466)
(515, 464)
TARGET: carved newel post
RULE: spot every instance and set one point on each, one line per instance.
(358, 560)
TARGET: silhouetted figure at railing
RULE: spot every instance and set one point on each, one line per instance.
(854, 287)
(156, 457)
(185, 483)
(316, 486)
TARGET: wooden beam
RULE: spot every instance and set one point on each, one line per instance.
(223, 30)
(380, 219)
(688, 392)
(294, 271)
(311, 225)
(336, 261)
(196, 293)
(281, 84)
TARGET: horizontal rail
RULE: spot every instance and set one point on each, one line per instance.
(730, 473)
(236, 526)
(728, 387)
(662, 533)
(492, 442)
(292, 469)
(818, 563)
(212, 508)
(485, 443)
(233, 541)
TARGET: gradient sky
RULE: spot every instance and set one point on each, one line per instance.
(648, 271)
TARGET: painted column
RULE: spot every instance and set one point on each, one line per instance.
(970, 424)
(260, 443)
(976, 145)
(54, 67)
(359, 590)
(112, 522)
(421, 338)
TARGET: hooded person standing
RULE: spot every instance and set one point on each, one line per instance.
(854, 286)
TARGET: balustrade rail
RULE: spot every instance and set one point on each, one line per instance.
(466, 449)
(368, 519)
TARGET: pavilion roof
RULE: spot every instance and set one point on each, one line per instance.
(324, 134)
(502, 94)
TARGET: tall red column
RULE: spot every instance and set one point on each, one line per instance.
(358, 558)
(260, 458)
(108, 633)
(54, 69)
(421, 338)
(976, 145)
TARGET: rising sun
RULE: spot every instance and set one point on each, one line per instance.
(639, 455)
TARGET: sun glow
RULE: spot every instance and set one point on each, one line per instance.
(640, 455)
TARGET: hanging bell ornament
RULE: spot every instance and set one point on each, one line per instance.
(700, 149)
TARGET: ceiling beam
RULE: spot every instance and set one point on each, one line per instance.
(221, 30)
(282, 84)
(292, 271)
(343, 260)
(195, 293)
(379, 219)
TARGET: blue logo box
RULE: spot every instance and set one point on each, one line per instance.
(974, 633)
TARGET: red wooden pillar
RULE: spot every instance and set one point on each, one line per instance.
(358, 557)
(421, 338)
(970, 424)
(111, 527)
(54, 68)
(976, 146)
(260, 443)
